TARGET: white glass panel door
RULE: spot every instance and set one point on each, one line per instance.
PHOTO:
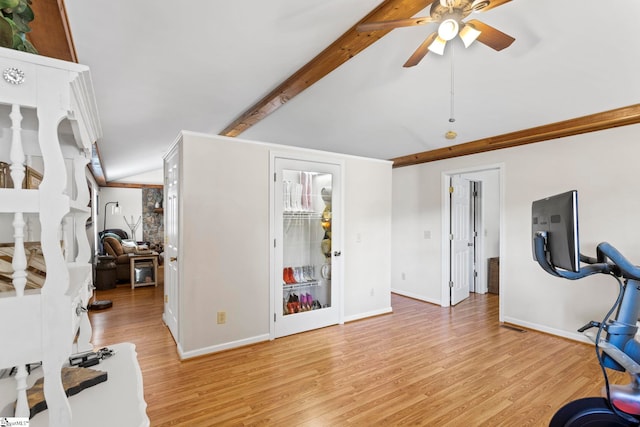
(305, 205)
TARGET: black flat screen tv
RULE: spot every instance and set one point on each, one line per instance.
(558, 217)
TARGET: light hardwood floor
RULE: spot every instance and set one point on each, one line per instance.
(421, 365)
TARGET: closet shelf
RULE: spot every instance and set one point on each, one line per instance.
(295, 286)
(302, 214)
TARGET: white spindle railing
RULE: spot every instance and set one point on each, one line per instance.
(17, 175)
(19, 263)
(22, 404)
(82, 199)
(52, 194)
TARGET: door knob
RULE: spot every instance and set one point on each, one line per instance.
(173, 258)
(337, 253)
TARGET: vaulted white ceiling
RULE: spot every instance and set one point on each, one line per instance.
(159, 67)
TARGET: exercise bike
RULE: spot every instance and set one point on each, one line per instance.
(555, 248)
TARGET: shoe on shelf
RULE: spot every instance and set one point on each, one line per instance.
(296, 303)
(290, 304)
(306, 272)
(286, 195)
(297, 197)
(291, 280)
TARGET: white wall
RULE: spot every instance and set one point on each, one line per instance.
(130, 201)
(367, 238)
(416, 211)
(225, 238)
(600, 165)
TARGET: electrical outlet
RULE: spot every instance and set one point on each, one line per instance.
(222, 317)
(166, 299)
(404, 277)
(372, 292)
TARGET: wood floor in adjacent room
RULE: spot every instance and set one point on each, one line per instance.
(421, 365)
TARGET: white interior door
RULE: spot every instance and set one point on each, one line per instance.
(461, 239)
(171, 281)
(307, 248)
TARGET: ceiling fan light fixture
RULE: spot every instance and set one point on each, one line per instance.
(437, 46)
(448, 29)
(469, 34)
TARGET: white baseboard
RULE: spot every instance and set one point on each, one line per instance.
(220, 347)
(416, 296)
(360, 316)
(552, 331)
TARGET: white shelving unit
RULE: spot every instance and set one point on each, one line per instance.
(48, 112)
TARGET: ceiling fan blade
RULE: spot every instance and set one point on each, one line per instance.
(395, 23)
(421, 51)
(482, 6)
(493, 38)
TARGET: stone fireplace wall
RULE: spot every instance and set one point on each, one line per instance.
(152, 217)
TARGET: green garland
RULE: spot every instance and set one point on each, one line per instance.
(15, 16)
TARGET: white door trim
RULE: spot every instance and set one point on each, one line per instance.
(337, 233)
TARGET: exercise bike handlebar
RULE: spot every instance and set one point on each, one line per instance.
(619, 265)
(592, 267)
(622, 266)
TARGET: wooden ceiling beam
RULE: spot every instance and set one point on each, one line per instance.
(50, 32)
(113, 184)
(595, 122)
(347, 46)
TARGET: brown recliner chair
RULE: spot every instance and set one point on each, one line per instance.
(112, 246)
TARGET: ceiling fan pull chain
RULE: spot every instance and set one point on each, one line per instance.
(452, 115)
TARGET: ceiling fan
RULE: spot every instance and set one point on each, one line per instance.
(449, 14)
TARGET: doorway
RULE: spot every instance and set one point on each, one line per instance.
(472, 220)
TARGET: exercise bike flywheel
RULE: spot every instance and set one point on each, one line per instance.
(588, 412)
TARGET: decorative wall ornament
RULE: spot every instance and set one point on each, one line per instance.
(14, 76)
